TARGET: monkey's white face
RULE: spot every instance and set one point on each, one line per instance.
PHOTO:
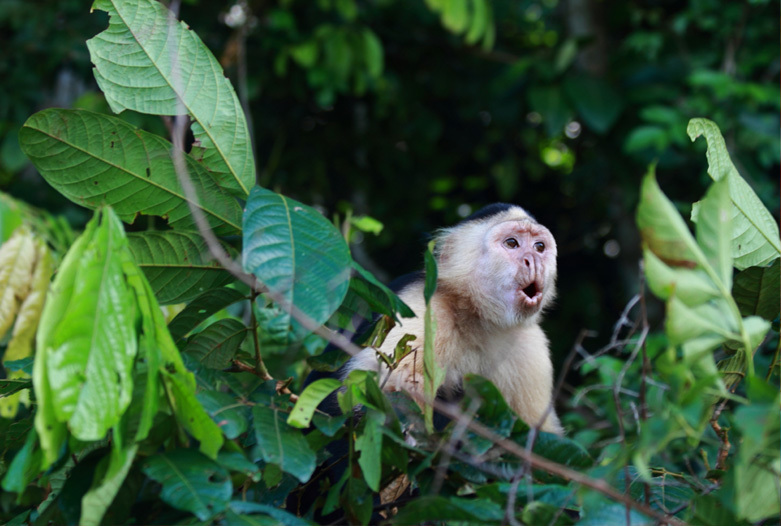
(518, 269)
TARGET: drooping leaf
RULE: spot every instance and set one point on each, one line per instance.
(692, 287)
(297, 254)
(280, 444)
(95, 160)
(191, 482)
(309, 399)
(369, 443)
(163, 359)
(685, 323)
(663, 229)
(177, 264)
(25, 466)
(87, 356)
(756, 291)
(97, 500)
(173, 73)
(201, 308)
(755, 235)
(216, 345)
(433, 373)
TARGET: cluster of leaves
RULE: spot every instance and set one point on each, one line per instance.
(133, 420)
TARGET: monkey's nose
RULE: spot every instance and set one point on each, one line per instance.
(528, 261)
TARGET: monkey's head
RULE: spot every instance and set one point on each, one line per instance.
(503, 261)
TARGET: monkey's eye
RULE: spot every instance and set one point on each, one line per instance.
(539, 246)
(511, 242)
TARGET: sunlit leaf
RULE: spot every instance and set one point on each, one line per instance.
(297, 254)
(692, 287)
(173, 72)
(714, 231)
(190, 482)
(755, 235)
(88, 354)
(95, 160)
(663, 229)
(309, 399)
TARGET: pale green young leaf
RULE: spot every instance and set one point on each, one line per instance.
(177, 263)
(692, 287)
(309, 399)
(685, 323)
(714, 231)
(95, 160)
(89, 354)
(455, 16)
(173, 72)
(298, 254)
(755, 234)
(663, 229)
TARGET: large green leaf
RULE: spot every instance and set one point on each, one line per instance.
(281, 444)
(177, 264)
(191, 482)
(297, 254)
(172, 72)
(95, 159)
(755, 235)
(87, 356)
(691, 286)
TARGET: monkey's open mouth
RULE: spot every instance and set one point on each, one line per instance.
(531, 290)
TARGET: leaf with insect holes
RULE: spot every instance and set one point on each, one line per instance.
(172, 73)
(95, 159)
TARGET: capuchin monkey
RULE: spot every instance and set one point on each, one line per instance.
(496, 276)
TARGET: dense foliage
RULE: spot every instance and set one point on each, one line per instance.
(117, 411)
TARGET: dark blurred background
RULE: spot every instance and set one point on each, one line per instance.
(390, 108)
